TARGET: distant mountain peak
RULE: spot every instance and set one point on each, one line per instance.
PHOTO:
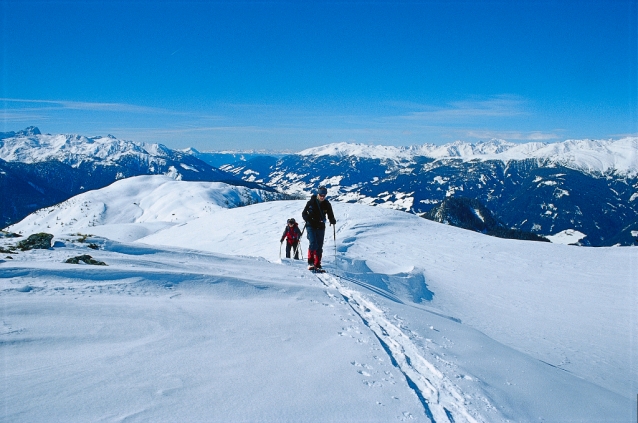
(29, 131)
(495, 146)
(26, 132)
(31, 146)
(190, 150)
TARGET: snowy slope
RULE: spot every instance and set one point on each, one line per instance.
(135, 207)
(514, 291)
(415, 321)
(593, 156)
(182, 336)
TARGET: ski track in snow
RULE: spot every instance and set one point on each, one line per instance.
(442, 401)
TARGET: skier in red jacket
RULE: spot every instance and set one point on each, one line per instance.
(291, 235)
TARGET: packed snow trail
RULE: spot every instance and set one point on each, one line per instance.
(442, 402)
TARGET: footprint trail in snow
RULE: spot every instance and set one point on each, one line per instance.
(441, 399)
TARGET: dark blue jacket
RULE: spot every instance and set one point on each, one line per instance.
(315, 213)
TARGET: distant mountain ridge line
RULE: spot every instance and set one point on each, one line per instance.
(29, 146)
(74, 149)
(598, 156)
(593, 156)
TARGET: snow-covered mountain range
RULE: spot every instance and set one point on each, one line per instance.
(589, 186)
(196, 317)
(31, 146)
(592, 156)
(38, 170)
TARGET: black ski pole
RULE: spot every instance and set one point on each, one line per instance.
(301, 236)
(334, 234)
(298, 252)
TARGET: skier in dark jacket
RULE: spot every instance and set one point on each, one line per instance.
(291, 235)
(315, 216)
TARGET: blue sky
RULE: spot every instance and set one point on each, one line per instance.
(284, 75)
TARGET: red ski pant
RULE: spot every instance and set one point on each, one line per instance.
(315, 250)
(314, 258)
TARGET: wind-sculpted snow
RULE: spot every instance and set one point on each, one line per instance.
(182, 336)
(203, 321)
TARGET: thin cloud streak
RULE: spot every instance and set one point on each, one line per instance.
(625, 135)
(13, 116)
(88, 106)
(498, 107)
(513, 135)
(394, 123)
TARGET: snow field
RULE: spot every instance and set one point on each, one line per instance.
(571, 307)
(149, 339)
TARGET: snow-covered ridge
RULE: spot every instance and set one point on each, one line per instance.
(360, 150)
(595, 156)
(33, 147)
(134, 207)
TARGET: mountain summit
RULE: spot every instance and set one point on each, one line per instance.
(29, 131)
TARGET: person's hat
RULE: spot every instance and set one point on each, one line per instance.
(322, 190)
(292, 220)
